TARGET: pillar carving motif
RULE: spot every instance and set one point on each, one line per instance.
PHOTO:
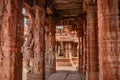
(109, 40)
(11, 25)
(50, 47)
(38, 72)
(27, 48)
(92, 43)
(84, 45)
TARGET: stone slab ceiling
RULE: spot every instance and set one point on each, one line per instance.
(68, 8)
(63, 8)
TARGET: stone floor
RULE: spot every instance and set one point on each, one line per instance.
(66, 75)
(63, 73)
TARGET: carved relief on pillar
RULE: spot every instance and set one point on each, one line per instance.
(50, 46)
(39, 45)
(1, 17)
(27, 48)
(11, 24)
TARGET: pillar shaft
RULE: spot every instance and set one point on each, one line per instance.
(53, 42)
(11, 39)
(109, 41)
(84, 46)
(92, 44)
(39, 45)
(50, 47)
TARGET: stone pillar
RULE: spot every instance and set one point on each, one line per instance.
(92, 46)
(38, 72)
(80, 56)
(109, 39)
(65, 50)
(47, 54)
(61, 49)
(119, 45)
(11, 25)
(53, 43)
(70, 47)
(84, 46)
(50, 47)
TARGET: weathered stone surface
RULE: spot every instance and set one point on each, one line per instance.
(38, 72)
(109, 39)
(50, 64)
(11, 39)
(28, 44)
(92, 43)
(84, 46)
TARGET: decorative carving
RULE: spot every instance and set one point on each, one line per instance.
(1, 55)
(28, 45)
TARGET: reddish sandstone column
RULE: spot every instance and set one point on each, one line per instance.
(11, 39)
(38, 72)
(92, 43)
(109, 39)
(84, 45)
(53, 43)
(119, 45)
(50, 47)
(39, 49)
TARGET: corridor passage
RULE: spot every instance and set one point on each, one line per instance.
(65, 75)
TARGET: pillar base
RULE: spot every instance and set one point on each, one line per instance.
(34, 76)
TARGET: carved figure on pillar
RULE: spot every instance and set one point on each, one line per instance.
(28, 45)
(1, 54)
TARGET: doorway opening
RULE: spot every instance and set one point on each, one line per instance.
(67, 49)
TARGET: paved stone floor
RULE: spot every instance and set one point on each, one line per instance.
(66, 75)
(63, 73)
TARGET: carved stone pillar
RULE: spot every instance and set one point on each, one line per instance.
(80, 56)
(50, 47)
(53, 43)
(38, 72)
(11, 24)
(47, 54)
(119, 43)
(92, 43)
(109, 39)
(84, 46)
(70, 47)
(65, 50)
